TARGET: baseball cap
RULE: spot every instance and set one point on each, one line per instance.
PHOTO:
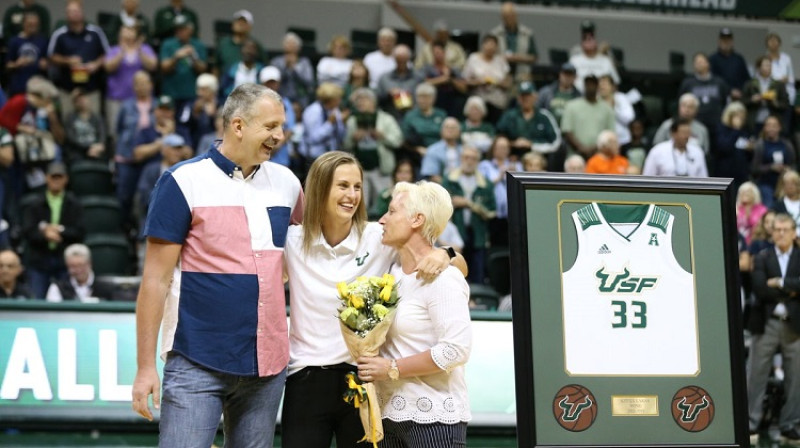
(165, 101)
(173, 140)
(568, 67)
(181, 20)
(587, 26)
(725, 32)
(243, 14)
(526, 87)
(589, 77)
(269, 73)
(56, 168)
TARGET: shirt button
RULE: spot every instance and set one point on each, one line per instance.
(258, 255)
(259, 331)
(260, 303)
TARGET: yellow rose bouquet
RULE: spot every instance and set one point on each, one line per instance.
(367, 311)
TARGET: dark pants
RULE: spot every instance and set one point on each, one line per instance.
(314, 410)
(409, 434)
(475, 257)
(50, 269)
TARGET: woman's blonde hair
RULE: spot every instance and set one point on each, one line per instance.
(734, 107)
(752, 188)
(788, 175)
(328, 91)
(339, 40)
(318, 188)
(430, 200)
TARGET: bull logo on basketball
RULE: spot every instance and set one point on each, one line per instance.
(574, 408)
(692, 408)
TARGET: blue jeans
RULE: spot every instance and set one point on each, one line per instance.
(194, 398)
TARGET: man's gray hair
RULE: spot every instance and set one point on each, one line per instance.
(292, 37)
(689, 97)
(387, 32)
(425, 89)
(363, 92)
(78, 250)
(604, 138)
(240, 101)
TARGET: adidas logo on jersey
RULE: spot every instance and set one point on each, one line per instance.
(604, 250)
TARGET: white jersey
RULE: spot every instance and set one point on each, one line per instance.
(628, 306)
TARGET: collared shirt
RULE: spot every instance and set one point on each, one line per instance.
(90, 43)
(226, 307)
(315, 337)
(783, 259)
(665, 160)
(83, 292)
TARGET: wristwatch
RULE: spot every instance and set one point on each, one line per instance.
(394, 372)
(450, 251)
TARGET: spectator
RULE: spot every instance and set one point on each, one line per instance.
(607, 160)
(244, 70)
(271, 78)
(619, 102)
(762, 235)
(677, 156)
(373, 136)
(121, 63)
(527, 127)
(209, 140)
(575, 164)
(85, 132)
(403, 172)
(10, 271)
(775, 324)
(297, 74)
(764, 96)
(183, 57)
(205, 108)
(172, 151)
(26, 54)
(489, 75)
(382, 60)
(129, 16)
(474, 131)
(772, 155)
(494, 169)
(454, 52)
(81, 285)
(733, 151)
(687, 110)
(474, 204)
(749, 210)
(782, 69)
(395, 88)
(729, 65)
(422, 124)
(14, 17)
(165, 19)
(584, 118)
(590, 61)
(516, 43)
(6, 160)
(555, 96)
(230, 48)
(443, 156)
(710, 89)
(323, 123)
(136, 115)
(533, 162)
(336, 67)
(450, 85)
(636, 150)
(359, 77)
(77, 50)
(788, 194)
(49, 225)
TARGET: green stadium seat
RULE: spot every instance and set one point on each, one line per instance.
(111, 254)
(483, 297)
(101, 214)
(90, 177)
(499, 266)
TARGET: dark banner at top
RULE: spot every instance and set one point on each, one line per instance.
(785, 9)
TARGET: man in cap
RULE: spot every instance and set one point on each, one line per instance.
(182, 57)
(270, 77)
(51, 223)
(590, 61)
(554, 96)
(584, 118)
(728, 64)
(528, 127)
(516, 42)
(173, 150)
(229, 47)
(165, 19)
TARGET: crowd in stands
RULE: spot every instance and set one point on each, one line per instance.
(136, 96)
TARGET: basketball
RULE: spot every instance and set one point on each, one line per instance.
(692, 408)
(574, 408)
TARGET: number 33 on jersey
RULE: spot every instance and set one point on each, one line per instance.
(628, 306)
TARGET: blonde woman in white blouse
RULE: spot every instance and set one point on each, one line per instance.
(420, 373)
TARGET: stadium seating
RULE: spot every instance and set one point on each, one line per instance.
(89, 177)
(101, 214)
(111, 254)
(483, 297)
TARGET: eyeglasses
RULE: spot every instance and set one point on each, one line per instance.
(781, 230)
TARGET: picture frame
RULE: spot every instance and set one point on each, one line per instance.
(637, 341)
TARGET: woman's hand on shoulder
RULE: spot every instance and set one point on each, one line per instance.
(433, 264)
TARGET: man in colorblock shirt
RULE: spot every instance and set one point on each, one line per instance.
(216, 231)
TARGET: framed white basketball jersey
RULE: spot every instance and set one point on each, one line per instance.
(629, 308)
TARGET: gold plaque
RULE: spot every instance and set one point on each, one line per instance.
(634, 405)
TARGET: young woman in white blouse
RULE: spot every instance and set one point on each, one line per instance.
(334, 244)
(420, 373)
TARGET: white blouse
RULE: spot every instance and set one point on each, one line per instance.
(431, 316)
